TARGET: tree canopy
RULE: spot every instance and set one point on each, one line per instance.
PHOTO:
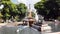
(14, 10)
(50, 9)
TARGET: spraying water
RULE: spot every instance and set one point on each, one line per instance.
(36, 16)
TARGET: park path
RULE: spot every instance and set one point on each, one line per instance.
(47, 22)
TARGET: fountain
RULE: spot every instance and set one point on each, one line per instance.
(29, 18)
(28, 29)
(40, 22)
(45, 27)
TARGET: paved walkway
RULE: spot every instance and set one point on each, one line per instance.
(1, 24)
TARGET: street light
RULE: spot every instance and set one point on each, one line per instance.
(1, 6)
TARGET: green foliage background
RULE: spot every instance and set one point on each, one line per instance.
(50, 9)
(10, 9)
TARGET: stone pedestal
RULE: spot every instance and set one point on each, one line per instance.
(30, 21)
(45, 28)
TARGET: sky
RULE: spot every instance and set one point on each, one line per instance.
(26, 2)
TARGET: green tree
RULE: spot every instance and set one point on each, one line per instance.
(49, 8)
(14, 10)
(7, 7)
(21, 10)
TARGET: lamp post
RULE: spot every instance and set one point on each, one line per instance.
(1, 6)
